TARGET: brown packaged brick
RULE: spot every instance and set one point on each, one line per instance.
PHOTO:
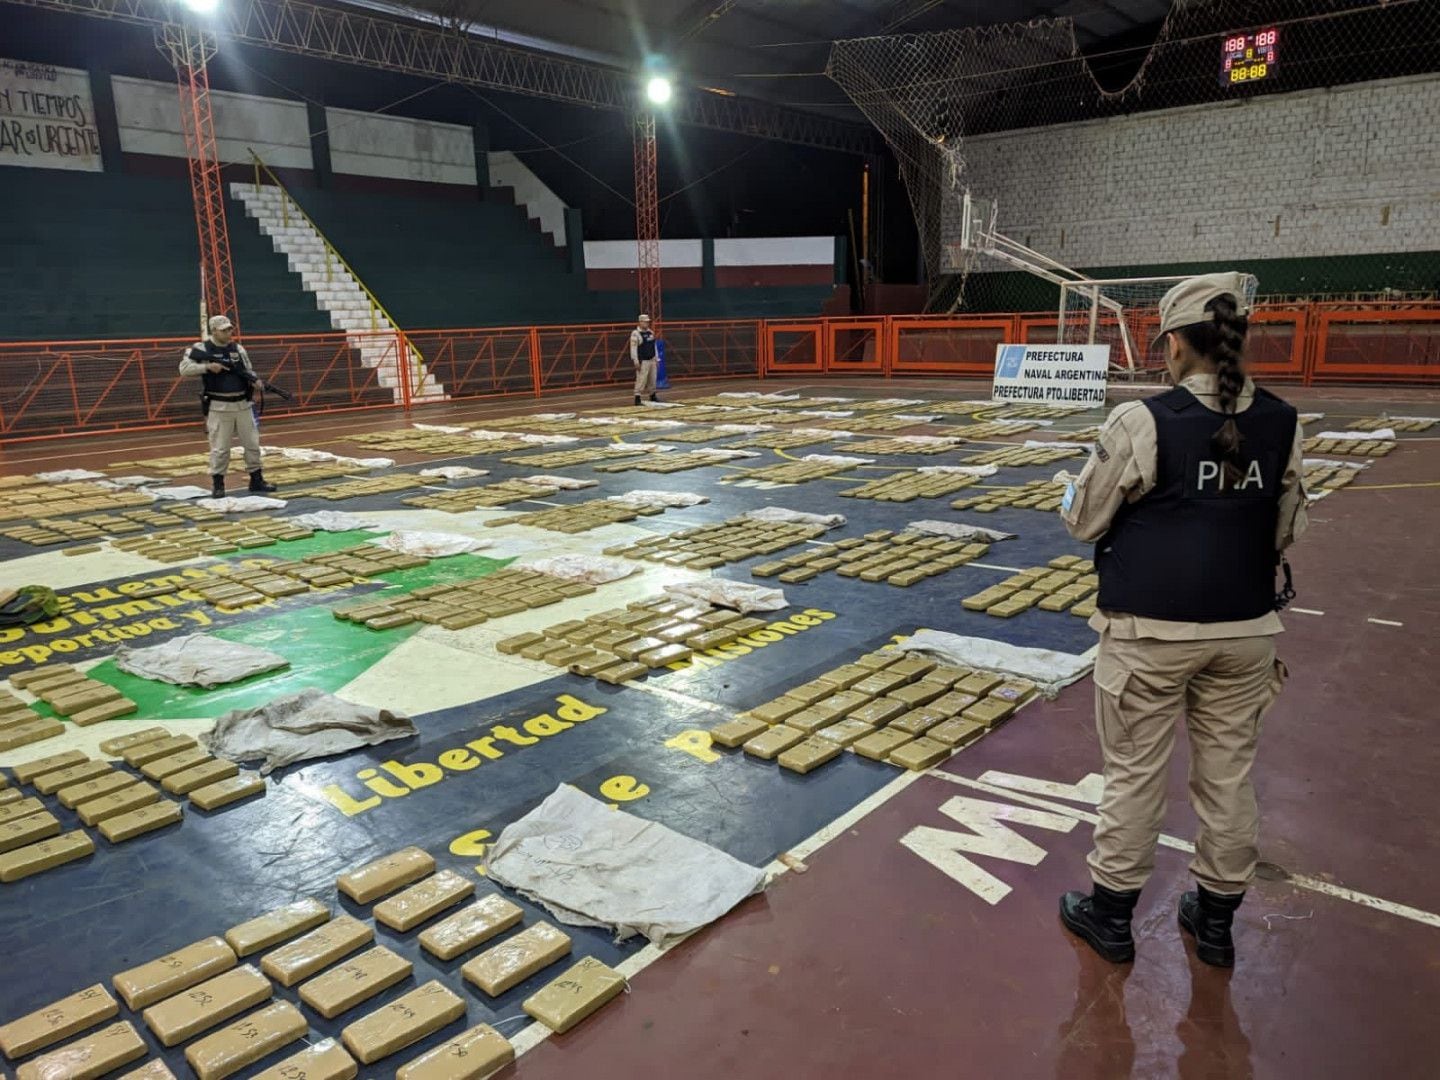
(357, 980)
(46, 855)
(91, 1057)
(326, 1060)
(133, 797)
(666, 654)
(28, 828)
(12, 738)
(978, 683)
(917, 721)
(110, 710)
(810, 754)
(151, 1070)
(225, 792)
(52, 782)
(1016, 691)
(512, 645)
(953, 703)
(246, 1041)
(956, 732)
(73, 795)
(385, 875)
(880, 682)
(575, 995)
(56, 1021)
(167, 975)
(473, 1055)
(772, 741)
(512, 962)
(31, 769)
(24, 679)
(423, 901)
(631, 650)
(276, 926)
(920, 753)
(197, 776)
(811, 720)
(146, 752)
(775, 712)
(621, 673)
(20, 807)
(811, 692)
(93, 694)
(880, 711)
(135, 823)
(470, 927)
(57, 682)
(317, 950)
(988, 711)
(160, 768)
(912, 667)
(206, 1004)
(878, 745)
(124, 742)
(845, 732)
(9, 795)
(403, 1022)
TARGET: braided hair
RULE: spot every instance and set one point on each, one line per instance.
(1222, 340)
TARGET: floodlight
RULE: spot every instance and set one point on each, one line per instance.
(658, 90)
(202, 7)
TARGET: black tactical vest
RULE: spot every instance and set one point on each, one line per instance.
(226, 386)
(1197, 548)
(646, 349)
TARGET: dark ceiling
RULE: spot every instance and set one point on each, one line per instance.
(774, 49)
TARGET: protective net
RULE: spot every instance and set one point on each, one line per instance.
(953, 104)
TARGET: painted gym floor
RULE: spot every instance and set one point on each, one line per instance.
(887, 946)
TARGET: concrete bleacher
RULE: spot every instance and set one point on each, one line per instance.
(97, 255)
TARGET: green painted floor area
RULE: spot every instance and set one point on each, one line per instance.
(324, 652)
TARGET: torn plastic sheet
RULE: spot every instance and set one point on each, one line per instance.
(523, 436)
(1311, 417)
(557, 483)
(1385, 434)
(198, 660)
(454, 472)
(298, 727)
(444, 429)
(654, 423)
(960, 470)
(823, 414)
(1049, 670)
(431, 545)
(897, 403)
(797, 517)
(179, 493)
(820, 433)
(716, 453)
(958, 530)
(333, 521)
(648, 497)
(755, 395)
(927, 440)
(61, 476)
(132, 481)
(742, 429)
(243, 504)
(838, 459)
(916, 419)
(588, 569)
(741, 596)
(1334, 463)
(833, 400)
(1045, 444)
(589, 865)
(1026, 422)
(302, 453)
(630, 448)
(557, 416)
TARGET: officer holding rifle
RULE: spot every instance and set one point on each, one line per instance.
(229, 382)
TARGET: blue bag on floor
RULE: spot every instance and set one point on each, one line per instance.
(661, 382)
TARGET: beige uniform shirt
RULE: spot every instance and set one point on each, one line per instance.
(1122, 468)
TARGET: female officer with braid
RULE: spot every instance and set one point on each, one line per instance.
(1191, 495)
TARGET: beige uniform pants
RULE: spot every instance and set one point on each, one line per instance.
(645, 377)
(230, 422)
(1224, 687)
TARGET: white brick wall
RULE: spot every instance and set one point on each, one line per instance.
(1289, 175)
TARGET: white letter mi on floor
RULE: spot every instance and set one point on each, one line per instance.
(989, 828)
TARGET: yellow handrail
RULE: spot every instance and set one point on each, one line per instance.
(331, 252)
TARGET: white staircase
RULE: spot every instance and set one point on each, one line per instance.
(337, 292)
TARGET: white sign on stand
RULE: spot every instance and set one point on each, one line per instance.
(46, 118)
(1051, 374)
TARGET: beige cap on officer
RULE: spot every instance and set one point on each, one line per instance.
(219, 322)
(1185, 304)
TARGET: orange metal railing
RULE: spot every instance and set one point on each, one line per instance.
(54, 388)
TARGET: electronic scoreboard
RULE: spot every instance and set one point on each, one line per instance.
(1249, 56)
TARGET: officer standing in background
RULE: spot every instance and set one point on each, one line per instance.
(642, 355)
(1191, 495)
(228, 382)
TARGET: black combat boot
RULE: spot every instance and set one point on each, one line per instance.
(1103, 920)
(637, 399)
(217, 486)
(1207, 916)
(654, 397)
(258, 484)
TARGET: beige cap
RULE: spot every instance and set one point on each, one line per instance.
(1185, 304)
(219, 322)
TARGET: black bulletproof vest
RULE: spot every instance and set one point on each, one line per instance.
(227, 386)
(1197, 548)
(646, 348)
